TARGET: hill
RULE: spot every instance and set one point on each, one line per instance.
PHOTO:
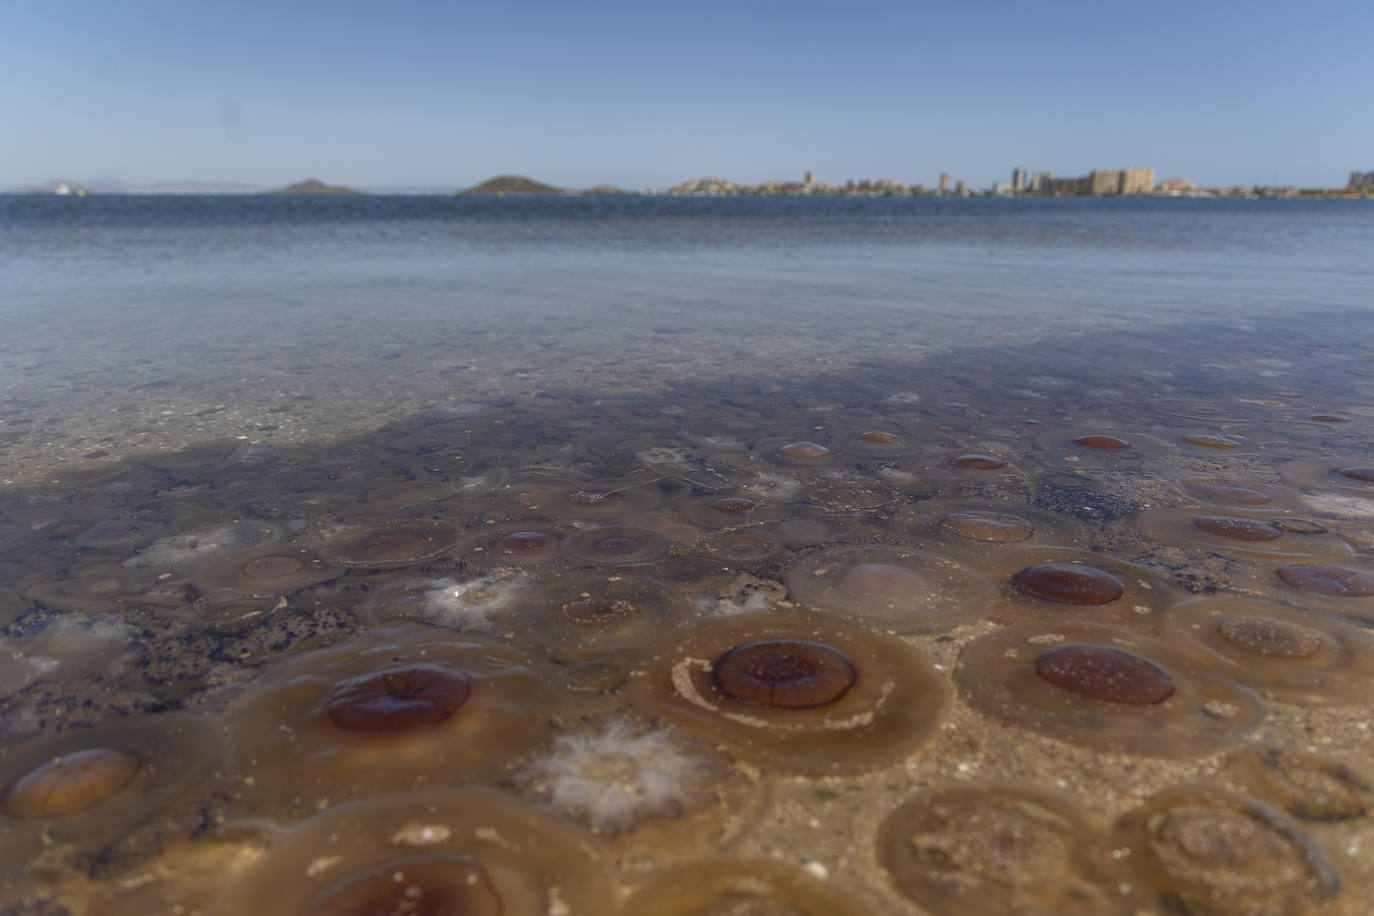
(313, 186)
(512, 184)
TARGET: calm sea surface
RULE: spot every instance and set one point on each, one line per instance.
(216, 299)
(917, 555)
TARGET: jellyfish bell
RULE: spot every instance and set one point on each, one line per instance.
(521, 544)
(1000, 850)
(976, 528)
(88, 787)
(1204, 849)
(1068, 583)
(1239, 531)
(1285, 652)
(565, 498)
(619, 545)
(1308, 786)
(784, 673)
(375, 714)
(1060, 584)
(389, 545)
(898, 588)
(799, 693)
(590, 613)
(263, 571)
(1354, 475)
(1099, 447)
(99, 588)
(439, 851)
(1104, 688)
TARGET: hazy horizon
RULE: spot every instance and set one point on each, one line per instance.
(420, 95)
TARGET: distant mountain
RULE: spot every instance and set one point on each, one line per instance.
(604, 190)
(313, 186)
(512, 184)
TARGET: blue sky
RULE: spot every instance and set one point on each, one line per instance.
(419, 92)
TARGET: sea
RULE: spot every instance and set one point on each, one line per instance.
(659, 555)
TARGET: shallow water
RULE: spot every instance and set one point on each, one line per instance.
(905, 552)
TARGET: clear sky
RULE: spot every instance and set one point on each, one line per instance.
(421, 92)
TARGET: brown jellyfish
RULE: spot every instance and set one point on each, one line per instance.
(1050, 584)
(903, 589)
(797, 693)
(1212, 441)
(731, 510)
(619, 545)
(386, 713)
(565, 498)
(1285, 653)
(802, 452)
(737, 548)
(518, 544)
(1101, 442)
(440, 851)
(1328, 580)
(1232, 532)
(586, 614)
(1348, 475)
(977, 527)
(848, 491)
(1200, 849)
(1104, 688)
(989, 527)
(1098, 448)
(1230, 494)
(1067, 583)
(120, 534)
(1308, 786)
(262, 571)
(390, 545)
(1000, 850)
(101, 587)
(879, 440)
(90, 786)
(743, 887)
(977, 462)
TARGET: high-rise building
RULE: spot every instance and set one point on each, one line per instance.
(1018, 180)
(944, 182)
(1137, 181)
(960, 187)
(810, 180)
(1040, 179)
(1076, 187)
(1104, 181)
(1361, 180)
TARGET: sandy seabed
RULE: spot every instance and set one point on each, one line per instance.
(1083, 624)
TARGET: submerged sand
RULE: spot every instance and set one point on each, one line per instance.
(129, 608)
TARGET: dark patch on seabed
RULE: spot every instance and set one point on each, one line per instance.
(561, 654)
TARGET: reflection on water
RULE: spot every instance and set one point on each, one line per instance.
(1076, 622)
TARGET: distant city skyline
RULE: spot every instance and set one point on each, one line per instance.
(424, 94)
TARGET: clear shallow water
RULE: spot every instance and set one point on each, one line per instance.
(219, 300)
(490, 440)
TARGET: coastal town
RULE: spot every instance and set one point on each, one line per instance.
(1097, 183)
